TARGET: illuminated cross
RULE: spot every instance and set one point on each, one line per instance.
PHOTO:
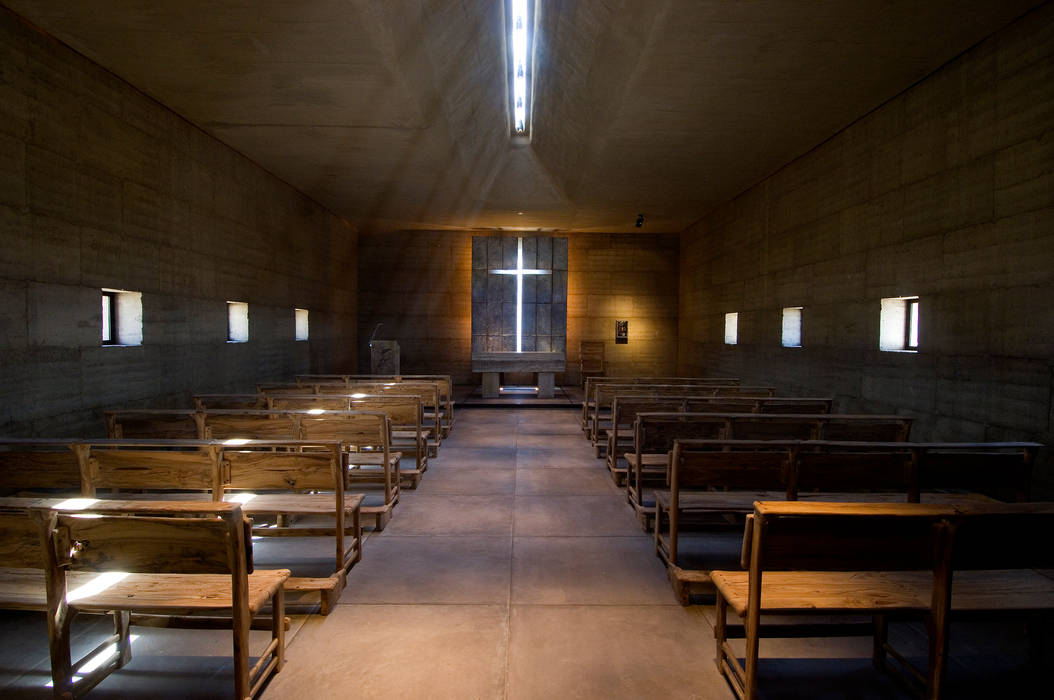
(520, 272)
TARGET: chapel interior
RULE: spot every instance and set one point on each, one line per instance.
(231, 229)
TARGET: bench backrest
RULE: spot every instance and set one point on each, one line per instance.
(987, 470)
(170, 424)
(1004, 536)
(52, 465)
(251, 424)
(788, 535)
(19, 536)
(871, 469)
(204, 402)
(756, 465)
(265, 469)
(194, 468)
(140, 537)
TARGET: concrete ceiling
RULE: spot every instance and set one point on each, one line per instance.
(393, 114)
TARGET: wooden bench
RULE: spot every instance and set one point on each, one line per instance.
(428, 391)
(915, 560)
(209, 470)
(712, 481)
(365, 437)
(604, 395)
(589, 388)
(621, 436)
(446, 387)
(174, 558)
(655, 433)
(409, 435)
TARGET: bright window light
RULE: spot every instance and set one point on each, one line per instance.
(731, 328)
(301, 323)
(237, 322)
(520, 16)
(792, 327)
(899, 324)
(122, 317)
(316, 411)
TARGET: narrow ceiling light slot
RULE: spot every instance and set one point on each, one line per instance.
(521, 14)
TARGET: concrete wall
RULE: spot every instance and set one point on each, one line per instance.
(946, 192)
(418, 284)
(101, 186)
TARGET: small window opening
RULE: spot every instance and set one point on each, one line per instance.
(237, 322)
(122, 317)
(899, 324)
(109, 318)
(732, 328)
(301, 330)
(792, 327)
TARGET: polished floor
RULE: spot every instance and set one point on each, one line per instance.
(516, 570)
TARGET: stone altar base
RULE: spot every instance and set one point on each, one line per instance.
(545, 364)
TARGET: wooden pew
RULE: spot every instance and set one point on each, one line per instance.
(196, 469)
(365, 437)
(589, 384)
(659, 441)
(176, 558)
(428, 391)
(604, 394)
(446, 388)
(409, 434)
(714, 480)
(621, 437)
(927, 561)
(285, 469)
(285, 477)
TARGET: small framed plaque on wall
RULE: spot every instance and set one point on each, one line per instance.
(621, 332)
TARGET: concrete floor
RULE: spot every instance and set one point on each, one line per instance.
(516, 570)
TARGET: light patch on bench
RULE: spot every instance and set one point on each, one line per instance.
(97, 585)
(97, 660)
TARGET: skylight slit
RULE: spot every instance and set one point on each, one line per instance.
(520, 67)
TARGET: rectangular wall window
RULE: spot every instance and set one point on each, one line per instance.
(792, 327)
(731, 328)
(122, 317)
(237, 322)
(301, 331)
(899, 324)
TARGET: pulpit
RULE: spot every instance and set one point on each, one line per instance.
(384, 357)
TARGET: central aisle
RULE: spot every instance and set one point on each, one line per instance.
(515, 570)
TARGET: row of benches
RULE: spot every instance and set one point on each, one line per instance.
(858, 472)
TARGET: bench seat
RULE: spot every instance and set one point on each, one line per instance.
(790, 592)
(795, 592)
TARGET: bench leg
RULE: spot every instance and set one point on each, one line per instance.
(121, 623)
(61, 661)
(879, 637)
(278, 627)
